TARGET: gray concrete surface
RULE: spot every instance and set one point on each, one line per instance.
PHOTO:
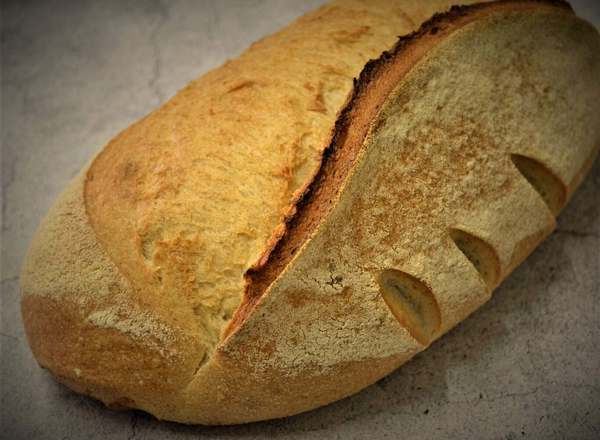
(527, 365)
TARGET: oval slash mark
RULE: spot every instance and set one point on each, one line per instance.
(412, 303)
(480, 254)
(552, 190)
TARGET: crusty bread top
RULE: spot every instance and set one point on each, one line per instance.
(115, 283)
(185, 201)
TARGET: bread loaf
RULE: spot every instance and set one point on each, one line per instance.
(280, 235)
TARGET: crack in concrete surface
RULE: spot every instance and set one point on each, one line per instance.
(535, 390)
(163, 16)
(578, 234)
(133, 421)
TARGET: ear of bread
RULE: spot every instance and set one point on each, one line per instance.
(445, 167)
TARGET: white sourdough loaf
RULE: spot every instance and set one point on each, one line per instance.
(278, 235)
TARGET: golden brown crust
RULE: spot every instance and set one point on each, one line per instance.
(84, 323)
(426, 163)
(61, 337)
(185, 200)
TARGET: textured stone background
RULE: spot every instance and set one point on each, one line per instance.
(74, 73)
